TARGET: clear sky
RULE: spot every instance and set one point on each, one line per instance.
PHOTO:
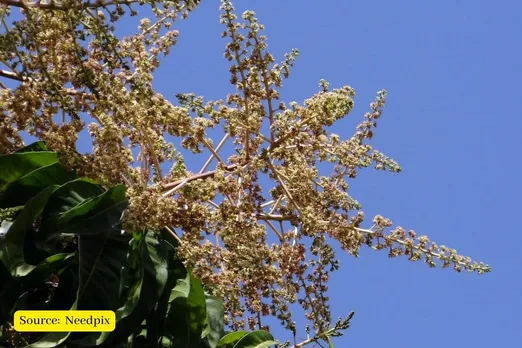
(453, 121)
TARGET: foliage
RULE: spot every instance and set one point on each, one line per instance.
(62, 247)
(259, 229)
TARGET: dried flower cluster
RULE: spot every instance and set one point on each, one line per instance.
(259, 227)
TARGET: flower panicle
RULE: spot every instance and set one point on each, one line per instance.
(399, 242)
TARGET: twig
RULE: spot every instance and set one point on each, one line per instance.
(278, 234)
(273, 217)
(198, 176)
(213, 204)
(176, 237)
(10, 75)
(175, 188)
(274, 207)
(154, 156)
(266, 204)
(287, 192)
(52, 5)
(220, 145)
(211, 149)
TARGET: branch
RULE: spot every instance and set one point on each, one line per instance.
(221, 143)
(211, 149)
(342, 324)
(198, 176)
(155, 159)
(57, 6)
(9, 74)
(276, 204)
(274, 217)
(13, 76)
(285, 189)
(277, 233)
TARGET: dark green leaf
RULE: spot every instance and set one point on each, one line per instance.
(93, 215)
(255, 339)
(176, 327)
(12, 246)
(103, 249)
(157, 325)
(16, 165)
(36, 146)
(196, 314)
(102, 256)
(148, 285)
(51, 340)
(25, 187)
(69, 195)
(51, 265)
(215, 320)
(10, 291)
(65, 294)
(229, 339)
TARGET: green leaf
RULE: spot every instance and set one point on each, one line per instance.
(215, 320)
(229, 339)
(70, 195)
(16, 165)
(12, 246)
(93, 215)
(182, 288)
(186, 316)
(196, 314)
(81, 194)
(103, 249)
(19, 191)
(65, 294)
(52, 264)
(147, 287)
(51, 340)
(157, 324)
(36, 146)
(254, 339)
(175, 320)
(10, 291)
(102, 257)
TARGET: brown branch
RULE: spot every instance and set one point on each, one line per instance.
(285, 189)
(274, 217)
(211, 149)
(154, 156)
(198, 176)
(9, 74)
(13, 76)
(221, 143)
(277, 233)
(57, 6)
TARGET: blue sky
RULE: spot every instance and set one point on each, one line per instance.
(452, 70)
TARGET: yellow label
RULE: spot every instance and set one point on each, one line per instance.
(64, 321)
